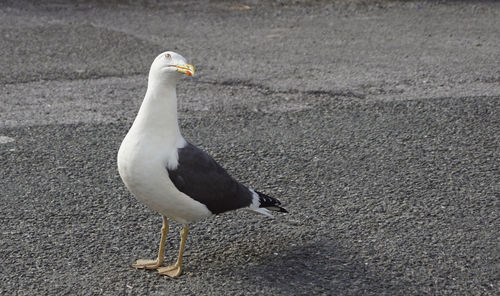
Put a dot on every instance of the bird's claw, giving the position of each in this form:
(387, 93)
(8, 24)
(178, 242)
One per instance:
(170, 271)
(147, 264)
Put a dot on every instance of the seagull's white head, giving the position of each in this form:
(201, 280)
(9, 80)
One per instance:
(170, 66)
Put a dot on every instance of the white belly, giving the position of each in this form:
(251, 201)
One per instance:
(143, 170)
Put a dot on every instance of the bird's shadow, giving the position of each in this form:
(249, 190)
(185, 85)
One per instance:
(315, 267)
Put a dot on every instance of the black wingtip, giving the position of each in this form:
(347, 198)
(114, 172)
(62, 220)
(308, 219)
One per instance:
(270, 203)
(276, 209)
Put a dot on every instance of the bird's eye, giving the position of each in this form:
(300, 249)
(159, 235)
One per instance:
(168, 56)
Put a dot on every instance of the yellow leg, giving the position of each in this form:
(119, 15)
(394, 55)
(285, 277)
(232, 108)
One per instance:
(176, 269)
(155, 264)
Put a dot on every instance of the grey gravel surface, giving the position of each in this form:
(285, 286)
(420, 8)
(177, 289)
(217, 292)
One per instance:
(377, 124)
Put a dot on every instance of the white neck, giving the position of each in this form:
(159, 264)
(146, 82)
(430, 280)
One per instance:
(157, 116)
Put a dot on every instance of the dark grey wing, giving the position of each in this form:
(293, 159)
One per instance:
(200, 177)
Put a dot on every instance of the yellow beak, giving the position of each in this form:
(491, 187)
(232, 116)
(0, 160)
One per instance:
(186, 69)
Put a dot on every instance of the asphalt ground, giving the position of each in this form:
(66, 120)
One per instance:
(375, 123)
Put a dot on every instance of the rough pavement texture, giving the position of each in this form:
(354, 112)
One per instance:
(376, 124)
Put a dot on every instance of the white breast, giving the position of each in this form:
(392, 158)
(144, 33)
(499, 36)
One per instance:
(142, 164)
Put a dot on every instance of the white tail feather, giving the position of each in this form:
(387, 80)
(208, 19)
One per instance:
(254, 207)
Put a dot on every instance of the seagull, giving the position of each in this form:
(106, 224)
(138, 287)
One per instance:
(170, 175)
